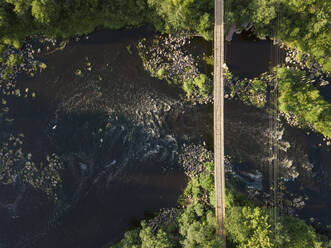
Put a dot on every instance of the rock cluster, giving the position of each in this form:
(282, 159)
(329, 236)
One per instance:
(167, 53)
(26, 53)
(19, 168)
(299, 60)
(165, 217)
(246, 89)
(167, 57)
(192, 158)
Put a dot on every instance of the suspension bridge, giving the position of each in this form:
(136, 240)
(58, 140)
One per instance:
(219, 116)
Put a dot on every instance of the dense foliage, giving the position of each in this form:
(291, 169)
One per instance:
(202, 82)
(247, 225)
(22, 18)
(184, 15)
(299, 97)
(301, 24)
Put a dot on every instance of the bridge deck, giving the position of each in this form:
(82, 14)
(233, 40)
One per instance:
(219, 115)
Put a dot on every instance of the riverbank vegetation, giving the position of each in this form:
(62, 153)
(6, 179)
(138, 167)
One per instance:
(20, 19)
(300, 98)
(301, 24)
(9, 64)
(248, 224)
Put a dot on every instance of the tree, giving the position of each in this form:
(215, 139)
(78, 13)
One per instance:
(300, 97)
(44, 11)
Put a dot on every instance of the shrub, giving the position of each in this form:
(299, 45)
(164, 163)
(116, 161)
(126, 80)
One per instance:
(14, 60)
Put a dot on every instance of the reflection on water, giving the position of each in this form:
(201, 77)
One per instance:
(246, 56)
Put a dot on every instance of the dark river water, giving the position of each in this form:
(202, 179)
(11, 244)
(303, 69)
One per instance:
(119, 131)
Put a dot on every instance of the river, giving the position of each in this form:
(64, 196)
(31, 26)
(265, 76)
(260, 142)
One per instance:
(119, 131)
